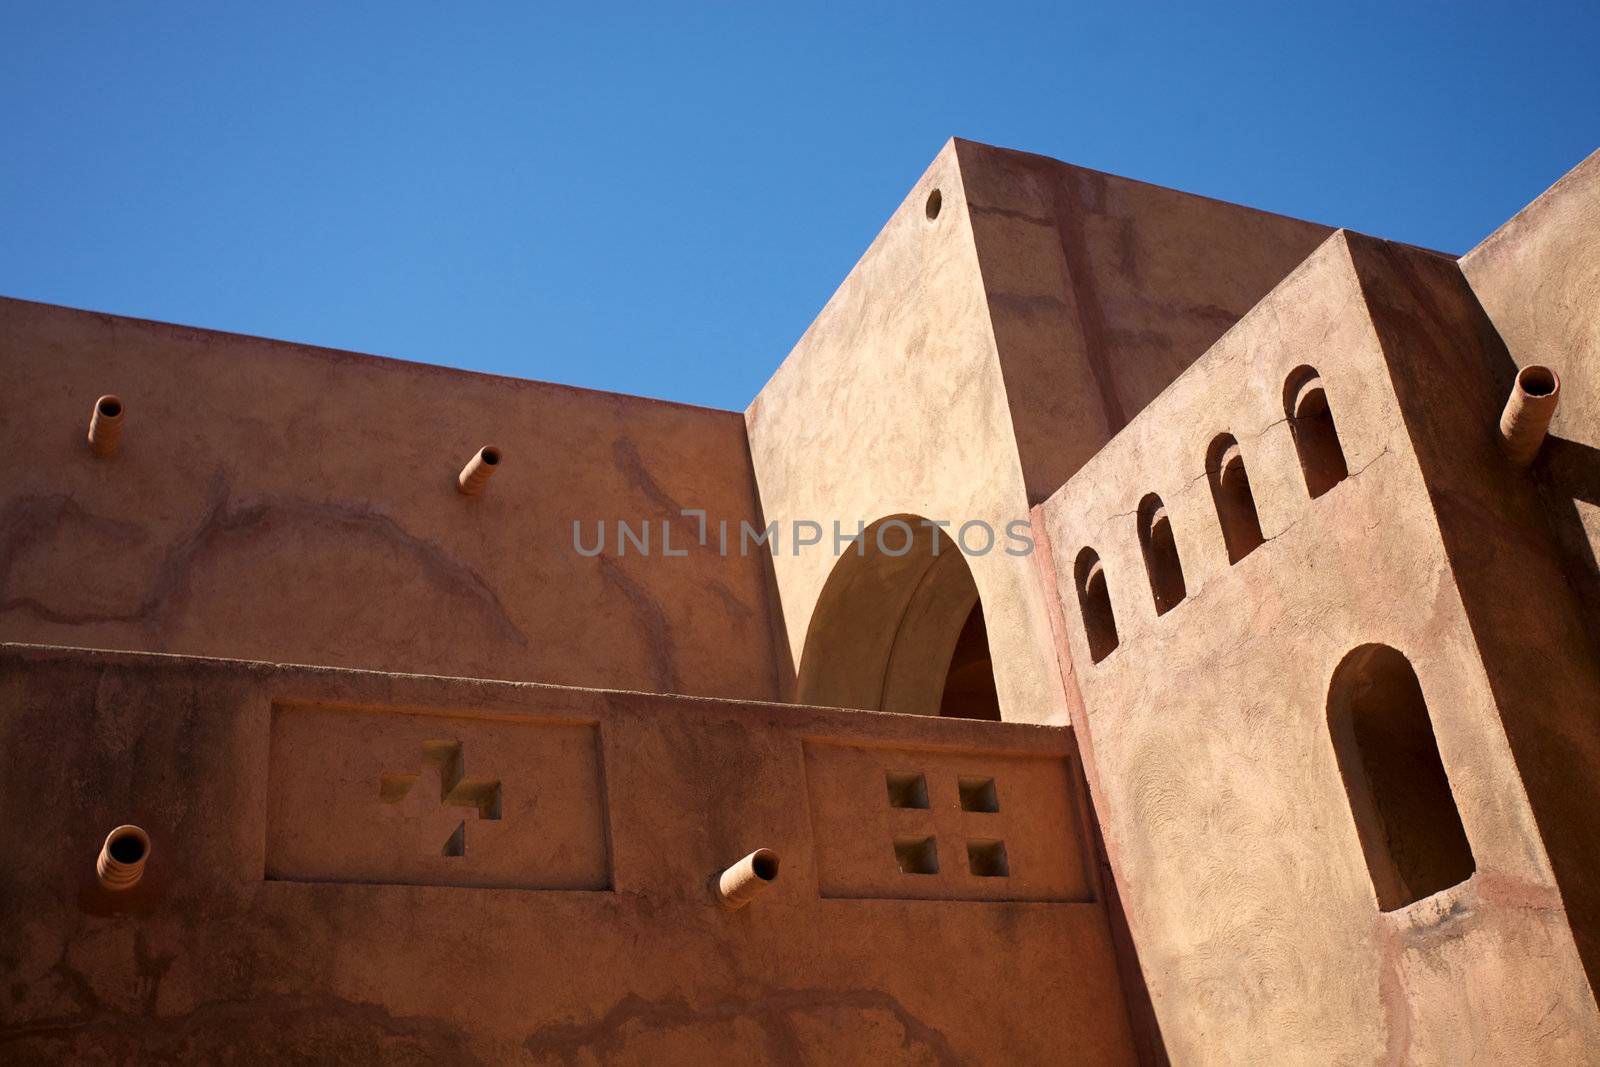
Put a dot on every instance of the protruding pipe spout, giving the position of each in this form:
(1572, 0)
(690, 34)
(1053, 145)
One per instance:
(121, 862)
(478, 469)
(740, 883)
(105, 426)
(1526, 418)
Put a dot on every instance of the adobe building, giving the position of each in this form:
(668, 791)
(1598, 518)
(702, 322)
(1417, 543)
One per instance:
(1127, 628)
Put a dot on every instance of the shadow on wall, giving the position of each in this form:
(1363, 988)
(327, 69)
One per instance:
(899, 627)
(1569, 473)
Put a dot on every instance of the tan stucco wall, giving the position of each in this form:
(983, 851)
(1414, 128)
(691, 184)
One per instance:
(280, 502)
(1504, 536)
(1538, 278)
(968, 365)
(274, 924)
(1101, 290)
(893, 403)
(1206, 740)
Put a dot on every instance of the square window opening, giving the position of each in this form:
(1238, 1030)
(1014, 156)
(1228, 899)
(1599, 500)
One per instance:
(987, 859)
(978, 794)
(916, 855)
(907, 789)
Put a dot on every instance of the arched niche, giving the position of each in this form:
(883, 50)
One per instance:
(1160, 550)
(1316, 438)
(1230, 493)
(1094, 602)
(1399, 793)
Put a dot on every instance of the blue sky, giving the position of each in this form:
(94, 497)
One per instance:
(659, 202)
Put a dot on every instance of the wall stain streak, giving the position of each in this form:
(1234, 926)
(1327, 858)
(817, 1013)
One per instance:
(607, 1035)
(1080, 272)
(224, 518)
(652, 619)
(632, 466)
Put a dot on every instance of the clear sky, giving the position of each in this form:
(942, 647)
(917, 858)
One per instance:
(660, 201)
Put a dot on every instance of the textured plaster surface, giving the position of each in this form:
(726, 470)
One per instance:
(893, 404)
(1452, 372)
(353, 866)
(1205, 731)
(970, 363)
(219, 958)
(280, 502)
(1538, 278)
(1101, 290)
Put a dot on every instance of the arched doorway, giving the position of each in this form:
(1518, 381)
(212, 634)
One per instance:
(899, 627)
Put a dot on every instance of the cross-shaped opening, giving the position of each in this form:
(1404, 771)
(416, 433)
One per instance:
(455, 789)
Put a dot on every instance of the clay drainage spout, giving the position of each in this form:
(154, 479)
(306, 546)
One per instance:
(121, 862)
(740, 883)
(105, 426)
(478, 469)
(1526, 418)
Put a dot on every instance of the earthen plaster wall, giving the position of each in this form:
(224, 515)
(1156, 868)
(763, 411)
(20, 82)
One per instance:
(893, 404)
(297, 905)
(1502, 531)
(281, 502)
(971, 362)
(1102, 289)
(1206, 740)
(1538, 278)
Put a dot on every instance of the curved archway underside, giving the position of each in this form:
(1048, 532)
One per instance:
(899, 627)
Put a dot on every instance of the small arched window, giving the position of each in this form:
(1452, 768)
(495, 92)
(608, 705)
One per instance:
(1405, 813)
(1160, 554)
(1315, 436)
(1094, 604)
(1230, 492)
